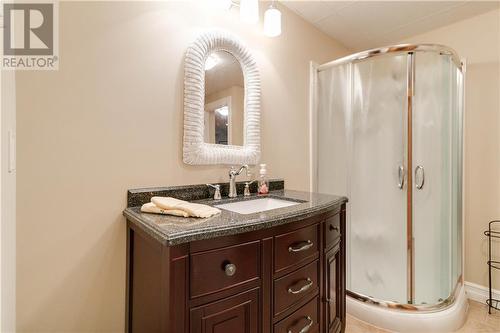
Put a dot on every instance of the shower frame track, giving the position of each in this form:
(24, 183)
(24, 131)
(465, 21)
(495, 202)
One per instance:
(395, 49)
(410, 307)
(410, 261)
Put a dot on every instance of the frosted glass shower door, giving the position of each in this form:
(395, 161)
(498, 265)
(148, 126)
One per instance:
(436, 177)
(332, 141)
(377, 194)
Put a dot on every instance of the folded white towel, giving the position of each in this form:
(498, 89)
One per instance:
(172, 206)
(152, 208)
(167, 202)
(193, 209)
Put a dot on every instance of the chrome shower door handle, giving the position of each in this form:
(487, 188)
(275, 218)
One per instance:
(401, 175)
(420, 184)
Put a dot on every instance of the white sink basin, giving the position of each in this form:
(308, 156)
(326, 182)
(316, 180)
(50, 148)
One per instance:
(256, 205)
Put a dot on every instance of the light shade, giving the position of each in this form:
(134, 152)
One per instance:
(272, 22)
(249, 11)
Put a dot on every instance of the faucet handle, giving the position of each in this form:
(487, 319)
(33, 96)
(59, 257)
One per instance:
(246, 192)
(217, 195)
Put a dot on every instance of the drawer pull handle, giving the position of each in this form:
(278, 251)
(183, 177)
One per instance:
(305, 328)
(334, 228)
(302, 289)
(230, 269)
(304, 247)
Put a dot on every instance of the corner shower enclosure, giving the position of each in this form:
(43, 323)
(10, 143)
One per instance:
(389, 137)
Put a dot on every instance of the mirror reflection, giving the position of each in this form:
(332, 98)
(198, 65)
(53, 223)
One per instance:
(224, 99)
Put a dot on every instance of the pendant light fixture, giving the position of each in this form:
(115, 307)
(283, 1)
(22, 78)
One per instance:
(249, 13)
(272, 21)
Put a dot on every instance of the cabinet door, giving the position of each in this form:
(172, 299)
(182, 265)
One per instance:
(333, 290)
(236, 314)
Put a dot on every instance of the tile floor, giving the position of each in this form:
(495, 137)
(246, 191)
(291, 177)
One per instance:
(478, 321)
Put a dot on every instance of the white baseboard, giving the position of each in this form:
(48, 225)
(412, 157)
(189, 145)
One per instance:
(479, 293)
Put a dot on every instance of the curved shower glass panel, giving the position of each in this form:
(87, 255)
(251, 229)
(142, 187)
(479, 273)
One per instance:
(433, 177)
(378, 252)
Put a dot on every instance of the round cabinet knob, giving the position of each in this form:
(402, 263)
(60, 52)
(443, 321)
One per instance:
(230, 269)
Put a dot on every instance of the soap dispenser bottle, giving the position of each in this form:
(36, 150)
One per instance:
(263, 185)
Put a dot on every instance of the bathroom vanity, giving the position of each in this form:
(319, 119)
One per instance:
(279, 270)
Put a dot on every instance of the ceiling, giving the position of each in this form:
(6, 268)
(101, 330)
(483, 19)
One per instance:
(361, 25)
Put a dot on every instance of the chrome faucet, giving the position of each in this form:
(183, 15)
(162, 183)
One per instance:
(232, 180)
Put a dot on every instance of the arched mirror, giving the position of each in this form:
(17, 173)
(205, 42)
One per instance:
(221, 102)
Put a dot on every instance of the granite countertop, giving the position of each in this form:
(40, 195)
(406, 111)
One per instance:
(172, 230)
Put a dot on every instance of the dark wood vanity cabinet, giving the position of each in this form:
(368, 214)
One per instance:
(284, 279)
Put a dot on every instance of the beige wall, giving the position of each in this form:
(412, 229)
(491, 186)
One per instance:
(111, 119)
(478, 40)
(7, 204)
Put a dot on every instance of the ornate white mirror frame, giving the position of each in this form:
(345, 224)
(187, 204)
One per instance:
(196, 151)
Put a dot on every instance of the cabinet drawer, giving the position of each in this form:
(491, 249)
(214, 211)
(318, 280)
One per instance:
(220, 269)
(332, 230)
(293, 287)
(304, 319)
(293, 247)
